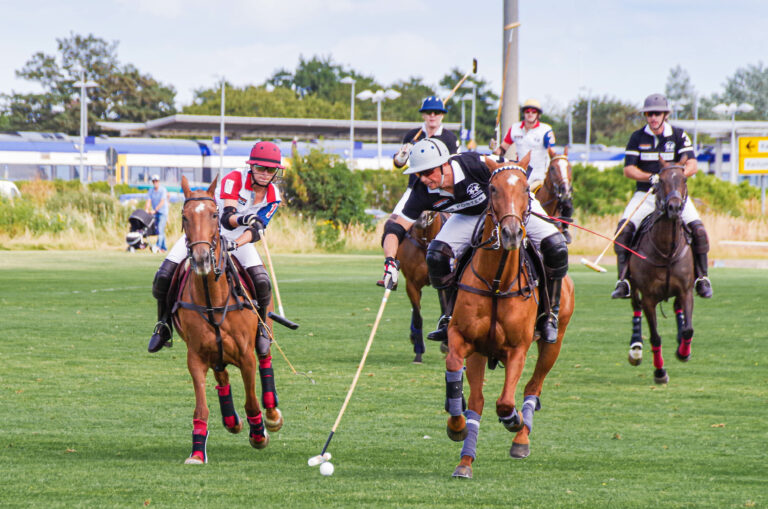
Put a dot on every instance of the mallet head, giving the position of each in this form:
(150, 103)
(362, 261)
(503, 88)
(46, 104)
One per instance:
(593, 266)
(320, 458)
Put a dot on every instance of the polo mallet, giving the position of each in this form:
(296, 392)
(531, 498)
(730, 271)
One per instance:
(596, 264)
(272, 271)
(325, 456)
(452, 92)
(504, 80)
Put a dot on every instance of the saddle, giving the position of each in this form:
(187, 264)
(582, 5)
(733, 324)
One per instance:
(645, 227)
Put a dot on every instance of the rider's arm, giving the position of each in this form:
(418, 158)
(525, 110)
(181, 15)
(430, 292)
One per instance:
(691, 167)
(635, 173)
(391, 242)
(502, 149)
(246, 237)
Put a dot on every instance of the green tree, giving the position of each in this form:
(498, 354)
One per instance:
(485, 117)
(680, 91)
(613, 121)
(748, 85)
(123, 92)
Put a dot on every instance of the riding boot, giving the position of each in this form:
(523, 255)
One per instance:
(261, 283)
(566, 209)
(700, 248)
(163, 329)
(447, 298)
(548, 323)
(441, 277)
(622, 290)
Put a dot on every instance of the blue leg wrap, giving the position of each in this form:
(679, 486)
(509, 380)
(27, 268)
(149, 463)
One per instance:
(418, 340)
(530, 404)
(454, 397)
(473, 428)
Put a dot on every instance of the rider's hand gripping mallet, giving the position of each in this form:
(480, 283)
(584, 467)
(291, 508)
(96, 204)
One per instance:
(452, 92)
(596, 264)
(272, 271)
(325, 456)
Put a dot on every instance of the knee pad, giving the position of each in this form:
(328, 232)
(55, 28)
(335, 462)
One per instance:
(262, 285)
(555, 253)
(163, 278)
(439, 256)
(700, 239)
(395, 228)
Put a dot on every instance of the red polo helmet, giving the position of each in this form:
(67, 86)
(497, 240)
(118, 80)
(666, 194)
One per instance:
(266, 153)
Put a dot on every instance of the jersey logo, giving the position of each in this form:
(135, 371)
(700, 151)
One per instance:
(669, 146)
(644, 146)
(473, 189)
(242, 201)
(441, 203)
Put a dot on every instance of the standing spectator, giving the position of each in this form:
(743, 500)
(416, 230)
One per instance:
(157, 204)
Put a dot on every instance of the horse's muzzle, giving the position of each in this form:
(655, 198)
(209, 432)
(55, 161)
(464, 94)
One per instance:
(202, 262)
(674, 205)
(511, 233)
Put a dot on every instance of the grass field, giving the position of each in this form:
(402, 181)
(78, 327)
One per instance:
(90, 419)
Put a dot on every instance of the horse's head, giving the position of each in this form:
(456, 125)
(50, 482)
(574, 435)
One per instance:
(560, 176)
(200, 222)
(425, 219)
(671, 190)
(509, 200)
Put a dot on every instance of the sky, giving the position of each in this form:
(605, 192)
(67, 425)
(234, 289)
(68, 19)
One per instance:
(567, 48)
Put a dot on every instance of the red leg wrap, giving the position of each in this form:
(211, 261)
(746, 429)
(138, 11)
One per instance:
(658, 360)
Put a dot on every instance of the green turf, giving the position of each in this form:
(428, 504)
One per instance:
(90, 419)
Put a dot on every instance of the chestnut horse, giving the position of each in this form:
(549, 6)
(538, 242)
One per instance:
(216, 318)
(556, 193)
(412, 256)
(497, 322)
(666, 272)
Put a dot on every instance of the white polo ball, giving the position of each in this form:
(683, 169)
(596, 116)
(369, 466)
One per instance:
(326, 468)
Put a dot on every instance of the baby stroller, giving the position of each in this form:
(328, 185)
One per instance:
(142, 226)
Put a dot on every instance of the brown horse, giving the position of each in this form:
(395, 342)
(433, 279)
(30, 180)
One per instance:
(556, 193)
(413, 264)
(216, 318)
(666, 272)
(496, 322)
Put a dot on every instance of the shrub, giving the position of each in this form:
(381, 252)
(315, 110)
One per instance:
(600, 192)
(383, 188)
(328, 236)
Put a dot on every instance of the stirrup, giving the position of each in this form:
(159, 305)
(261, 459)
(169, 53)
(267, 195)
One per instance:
(622, 290)
(703, 287)
(441, 333)
(162, 336)
(552, 320)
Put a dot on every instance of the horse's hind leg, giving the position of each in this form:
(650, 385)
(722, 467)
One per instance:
(258, 436)
(475, 373)
(417, 337)
(684, 316)
(659, 374)
(229, 416)
(198, 369)
(635, 356)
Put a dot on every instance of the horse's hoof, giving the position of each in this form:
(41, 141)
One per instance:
(274, 424)
(635, 356)
(417, 359)
(457, 436)
(519, 451)
(194, 460)
(462, 472)
(259, 444)
(660, 376)
(237, 428)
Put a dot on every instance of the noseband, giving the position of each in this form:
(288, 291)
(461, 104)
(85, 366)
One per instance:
(524, 217)
(211, 244)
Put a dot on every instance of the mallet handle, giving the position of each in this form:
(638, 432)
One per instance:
(597, 261)
(272, 271)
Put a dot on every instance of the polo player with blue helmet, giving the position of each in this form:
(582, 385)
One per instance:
(432, 111)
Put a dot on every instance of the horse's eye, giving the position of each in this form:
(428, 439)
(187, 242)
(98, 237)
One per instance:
(493, 190)
(215, 215)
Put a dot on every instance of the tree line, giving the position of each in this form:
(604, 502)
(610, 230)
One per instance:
(314, 90)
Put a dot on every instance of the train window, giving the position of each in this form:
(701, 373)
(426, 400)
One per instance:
(62, 172)
(98, 173)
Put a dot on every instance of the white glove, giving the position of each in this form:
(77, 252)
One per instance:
(229, 245)
(402, 157)
(391, 272)
(492, 144)
(654, 179)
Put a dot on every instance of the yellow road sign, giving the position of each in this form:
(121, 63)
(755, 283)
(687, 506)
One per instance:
(753, 155)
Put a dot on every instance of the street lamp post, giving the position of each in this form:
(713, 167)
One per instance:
(589, 124)
(221, 131)
(83, 114)
(351, 81)
(378, 97)
(732, 109)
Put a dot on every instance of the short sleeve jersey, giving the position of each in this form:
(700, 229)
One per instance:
(236, 185)
(156, 196)
(645, 148)
(470, 185)
(536, 141)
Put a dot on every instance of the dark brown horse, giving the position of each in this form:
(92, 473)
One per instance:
(219, 325)
(666, 272)
(413, 264)
(494, 322)
(556, 192)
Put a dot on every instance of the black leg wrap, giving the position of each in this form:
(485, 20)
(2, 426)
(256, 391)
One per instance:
(229, 415)
(268, 391)
(198, 444)
(455, 404)
(637, 330)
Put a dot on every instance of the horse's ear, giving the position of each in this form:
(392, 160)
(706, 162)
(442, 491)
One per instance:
(212, 187)
(185, 187)
(523, 163)
(551, 152)
(565, 151)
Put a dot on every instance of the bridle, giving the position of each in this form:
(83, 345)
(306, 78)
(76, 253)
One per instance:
(661, 203)
(217, 267)
(559, 191)
(513, 214)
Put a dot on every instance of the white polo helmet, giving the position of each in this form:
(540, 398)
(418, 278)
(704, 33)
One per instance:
(427, 154)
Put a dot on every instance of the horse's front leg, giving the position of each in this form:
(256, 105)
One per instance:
(458, 350)
(229, 416)
(635, 356)
(417, 337)
(475, 373)
(505, 405)
(659, 374)
(258, 436)
(198, 369)
(685, 327)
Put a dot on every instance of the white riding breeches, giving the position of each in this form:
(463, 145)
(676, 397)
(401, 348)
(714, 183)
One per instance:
(457, 231)
(246, 254)
(649, 205)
